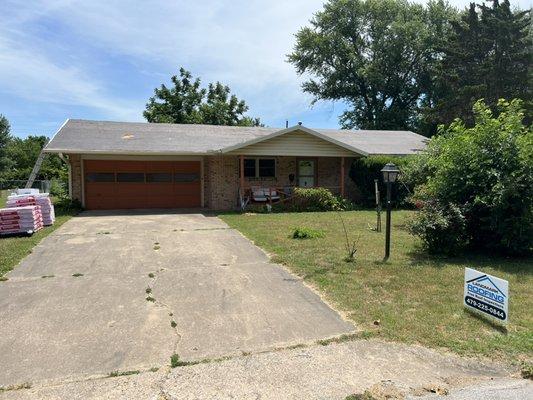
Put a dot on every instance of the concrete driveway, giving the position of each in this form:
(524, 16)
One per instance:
(77, 306)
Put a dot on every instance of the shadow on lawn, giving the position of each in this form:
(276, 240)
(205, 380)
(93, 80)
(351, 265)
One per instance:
(518, 264)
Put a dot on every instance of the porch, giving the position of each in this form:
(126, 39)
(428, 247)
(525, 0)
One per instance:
(272, 179)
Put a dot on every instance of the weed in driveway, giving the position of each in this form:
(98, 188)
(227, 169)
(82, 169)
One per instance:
(25, 385)
(148, 290)
(150, 298)
(47, 276)
(123, 373)
(173, 324)
(104, 233)
(77, 275)
(151, 275)
(157, 247)
(176, 362)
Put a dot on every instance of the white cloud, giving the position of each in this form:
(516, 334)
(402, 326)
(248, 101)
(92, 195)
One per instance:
(241, 43)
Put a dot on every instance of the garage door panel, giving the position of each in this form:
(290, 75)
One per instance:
(115, 184)
(159, 166)
(130, 166)
(99, 165)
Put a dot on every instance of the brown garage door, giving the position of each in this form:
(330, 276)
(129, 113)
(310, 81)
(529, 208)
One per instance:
(117, 184)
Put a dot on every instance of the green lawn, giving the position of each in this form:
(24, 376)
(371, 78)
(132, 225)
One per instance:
(14, 249)
(416, 298)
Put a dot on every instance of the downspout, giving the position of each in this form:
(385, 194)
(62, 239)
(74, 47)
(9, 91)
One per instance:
(62, 157)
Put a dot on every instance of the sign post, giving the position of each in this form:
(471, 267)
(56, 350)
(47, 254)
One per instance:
(486, 294)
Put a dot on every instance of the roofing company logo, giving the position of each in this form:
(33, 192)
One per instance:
(485, 287)
(486, 294)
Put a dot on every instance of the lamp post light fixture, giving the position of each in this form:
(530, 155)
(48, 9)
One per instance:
(390, 175)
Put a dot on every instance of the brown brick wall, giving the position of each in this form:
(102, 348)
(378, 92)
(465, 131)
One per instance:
(75, 170)
(221, 178)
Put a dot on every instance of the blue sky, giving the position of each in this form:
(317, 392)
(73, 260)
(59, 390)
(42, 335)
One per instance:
(97, 59)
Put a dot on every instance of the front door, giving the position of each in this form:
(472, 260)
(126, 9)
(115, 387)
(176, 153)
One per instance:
(306, 173)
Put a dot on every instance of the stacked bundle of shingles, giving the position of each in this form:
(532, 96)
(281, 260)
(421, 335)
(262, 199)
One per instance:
(39, 199)
(20, 219)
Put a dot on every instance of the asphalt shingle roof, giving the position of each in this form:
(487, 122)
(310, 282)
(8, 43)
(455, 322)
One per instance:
(84, 136)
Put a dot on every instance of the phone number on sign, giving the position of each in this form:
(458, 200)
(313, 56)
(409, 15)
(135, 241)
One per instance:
(487, 308)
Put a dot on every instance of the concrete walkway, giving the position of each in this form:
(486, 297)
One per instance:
(333, 372)
(77, 307)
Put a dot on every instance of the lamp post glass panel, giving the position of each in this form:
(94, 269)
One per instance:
(390, 175)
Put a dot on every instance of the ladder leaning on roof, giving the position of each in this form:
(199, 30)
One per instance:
(36, 167)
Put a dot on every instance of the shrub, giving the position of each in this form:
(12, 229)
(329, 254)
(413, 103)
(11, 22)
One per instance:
(316, 199)
(365, 170)
(476, 184)
(306, 233)
(441, 228)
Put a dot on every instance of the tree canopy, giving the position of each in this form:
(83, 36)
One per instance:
(401, 65)
(186, 102)
(376, 55)
(5, 137)
(486, 56)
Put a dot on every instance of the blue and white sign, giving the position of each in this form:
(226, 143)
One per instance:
(487, 294)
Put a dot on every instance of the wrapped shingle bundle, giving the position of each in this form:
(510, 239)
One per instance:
(21, 219)
(40, 199)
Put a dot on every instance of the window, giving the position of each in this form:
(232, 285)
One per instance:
(158, 177)
(100, 177)
(130, 177)
(249, 167)
(186, 177)
(267, 168)
(259, 167)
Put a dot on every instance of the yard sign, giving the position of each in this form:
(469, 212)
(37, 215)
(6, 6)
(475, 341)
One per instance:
(486, 294)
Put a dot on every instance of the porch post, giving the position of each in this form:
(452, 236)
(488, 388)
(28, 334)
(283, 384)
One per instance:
(342, 176)
(242, 174)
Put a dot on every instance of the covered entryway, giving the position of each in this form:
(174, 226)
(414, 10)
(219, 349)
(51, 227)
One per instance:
(119, 184)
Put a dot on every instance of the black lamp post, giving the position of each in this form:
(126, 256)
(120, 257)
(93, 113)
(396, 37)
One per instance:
(390, 174)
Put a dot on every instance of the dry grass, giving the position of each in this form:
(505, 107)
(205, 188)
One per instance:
(415, 297)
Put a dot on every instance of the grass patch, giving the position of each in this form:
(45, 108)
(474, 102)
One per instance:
(417, 298)
(114, 374)
(176, 362)
(307, 233)
(13, 249)
(25, 385)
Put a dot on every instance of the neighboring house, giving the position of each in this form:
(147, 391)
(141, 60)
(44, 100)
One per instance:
(116, 165)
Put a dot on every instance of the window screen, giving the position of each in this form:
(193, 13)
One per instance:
(130, 177)
(158, 177)
(186, 177)
(100, 177)
(267, 167)
(249, 167)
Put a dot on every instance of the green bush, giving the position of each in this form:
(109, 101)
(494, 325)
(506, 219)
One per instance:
(365, 170)
(475, 185)
(316, 199)
(306, 233)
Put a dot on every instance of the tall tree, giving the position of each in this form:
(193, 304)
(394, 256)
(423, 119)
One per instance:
(5, 137)
(487, 56)
(186, 102)
(375, 55)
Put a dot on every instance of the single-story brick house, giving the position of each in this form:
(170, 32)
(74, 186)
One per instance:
(115, 165)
